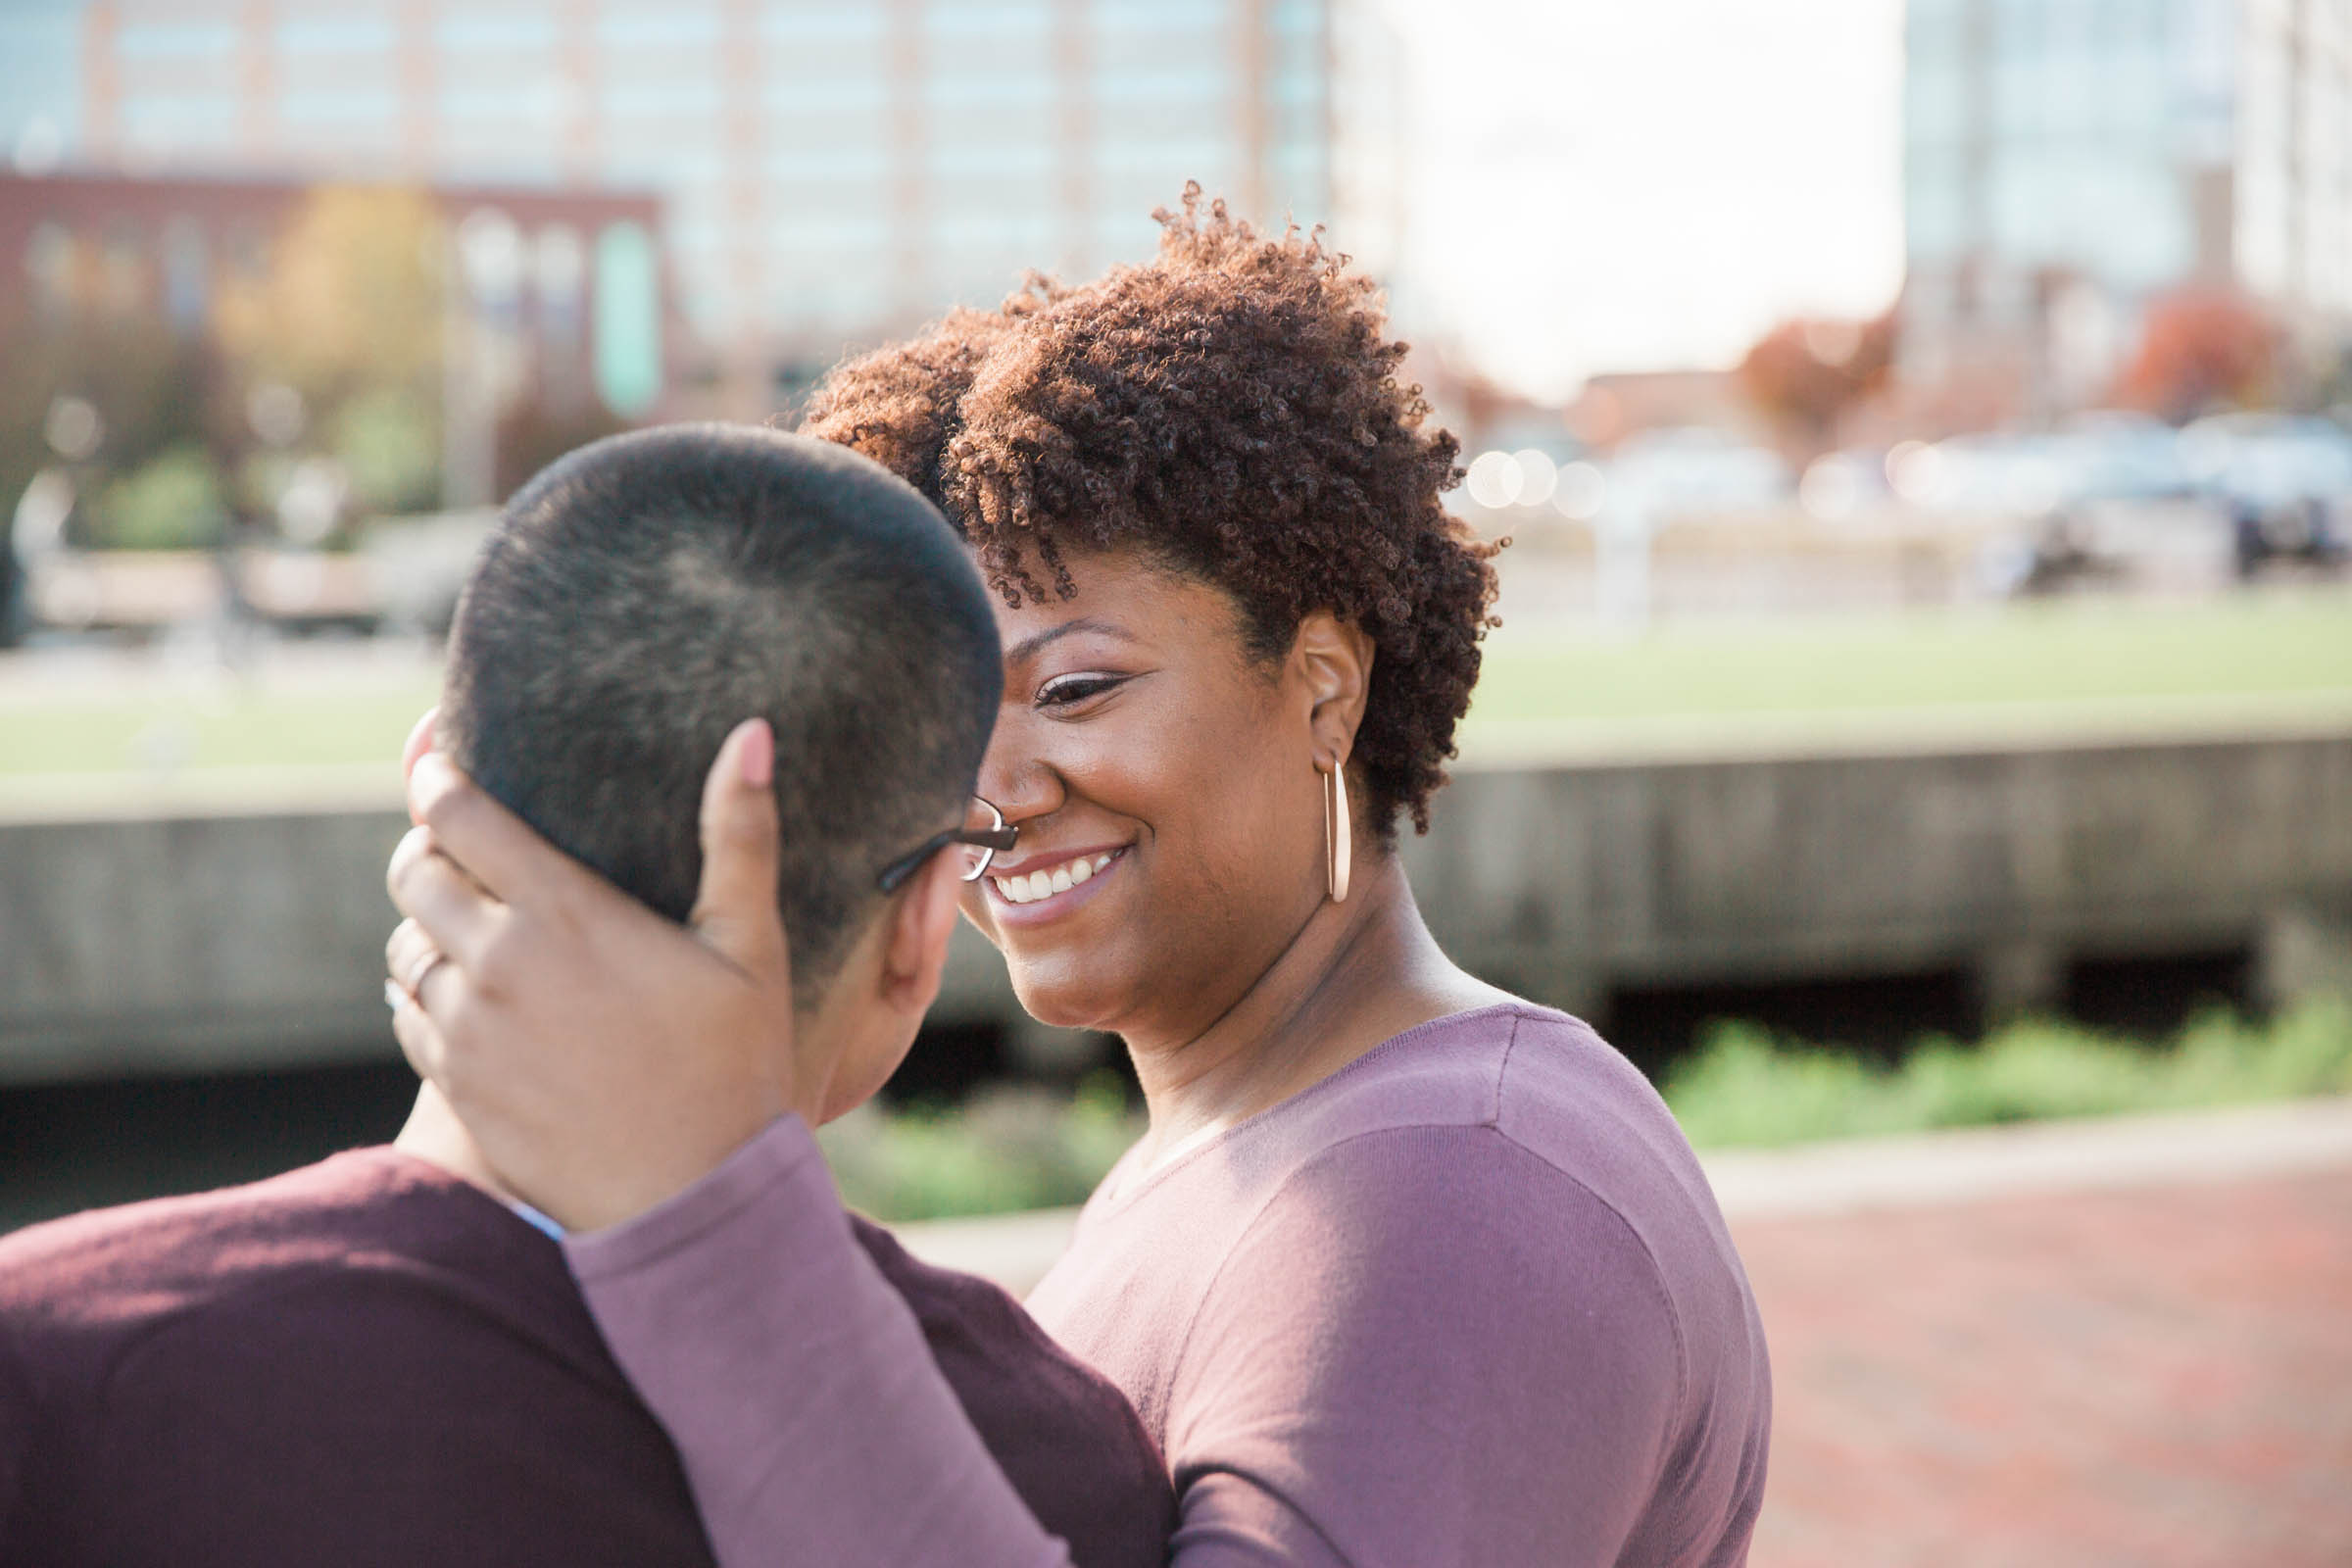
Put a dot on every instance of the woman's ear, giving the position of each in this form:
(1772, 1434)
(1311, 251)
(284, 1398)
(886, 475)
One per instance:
(1333, 660)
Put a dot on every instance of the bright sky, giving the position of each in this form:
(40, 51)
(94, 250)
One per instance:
(1648, 184)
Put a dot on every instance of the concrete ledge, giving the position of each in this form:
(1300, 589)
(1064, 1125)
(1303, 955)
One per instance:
(1561, 883)
(1968, 1164)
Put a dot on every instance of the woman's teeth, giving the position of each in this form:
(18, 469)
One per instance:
(1045, 884)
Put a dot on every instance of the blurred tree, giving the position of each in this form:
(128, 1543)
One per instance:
(332, 347)
(149, 391)
(2203, 349)
(337, 341)
(351, 298)
(1804, 373)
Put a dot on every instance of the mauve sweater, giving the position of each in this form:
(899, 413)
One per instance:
(1469, 1300)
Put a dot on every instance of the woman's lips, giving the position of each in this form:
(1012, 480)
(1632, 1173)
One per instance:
(1050, 890)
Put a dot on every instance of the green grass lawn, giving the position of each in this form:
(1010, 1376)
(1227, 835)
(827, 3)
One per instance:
(2051, 666)
(358, 719)
(2054, 661)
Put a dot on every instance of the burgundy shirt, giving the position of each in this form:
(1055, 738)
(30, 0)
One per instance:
(369, 1360)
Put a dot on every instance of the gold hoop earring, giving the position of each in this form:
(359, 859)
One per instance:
(1339, 841)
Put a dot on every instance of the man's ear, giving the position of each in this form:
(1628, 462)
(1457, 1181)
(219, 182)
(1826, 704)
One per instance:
(1333, 658)
(915, 947)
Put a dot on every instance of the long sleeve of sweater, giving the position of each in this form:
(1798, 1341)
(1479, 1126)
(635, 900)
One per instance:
(1427, 1347)
(814, 1425)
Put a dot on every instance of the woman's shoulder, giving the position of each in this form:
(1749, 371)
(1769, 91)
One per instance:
(1539, 1076)
(1513, 1108)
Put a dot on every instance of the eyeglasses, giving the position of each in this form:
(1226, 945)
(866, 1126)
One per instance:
(979, 841)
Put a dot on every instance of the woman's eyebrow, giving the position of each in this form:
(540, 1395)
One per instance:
(1029, 646)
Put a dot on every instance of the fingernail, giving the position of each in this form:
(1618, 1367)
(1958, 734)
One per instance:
(759, 755)
(394, 996)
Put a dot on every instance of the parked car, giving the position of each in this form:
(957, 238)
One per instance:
(2283, 481)
(1693, 468)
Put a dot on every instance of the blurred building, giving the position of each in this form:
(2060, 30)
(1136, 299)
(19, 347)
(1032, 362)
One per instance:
(559, 298)
(2068, 160)
(831, 172)
(571, 275)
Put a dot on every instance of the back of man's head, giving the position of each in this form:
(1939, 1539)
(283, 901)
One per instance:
(642, 596)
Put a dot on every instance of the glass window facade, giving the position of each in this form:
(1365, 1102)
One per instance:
(830, 172)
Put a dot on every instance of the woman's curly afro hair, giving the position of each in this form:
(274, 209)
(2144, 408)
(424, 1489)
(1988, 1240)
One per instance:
(1231, 406)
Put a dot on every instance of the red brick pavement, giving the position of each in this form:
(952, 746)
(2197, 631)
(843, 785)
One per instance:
(2156, 1377)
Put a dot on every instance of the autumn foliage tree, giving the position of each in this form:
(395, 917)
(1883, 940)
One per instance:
(349, 315)
(1804, 373)
(351, 297)
(2202, 349)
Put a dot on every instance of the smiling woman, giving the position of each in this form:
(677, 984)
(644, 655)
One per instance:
(1404, 1269)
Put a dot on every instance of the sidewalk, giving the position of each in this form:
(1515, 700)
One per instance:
(2121, 1342)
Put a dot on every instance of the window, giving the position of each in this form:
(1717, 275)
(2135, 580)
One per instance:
(374, 107)
(172, 122)
(653, 98)
(820, 23)
(1934, 209)
(1019, 164)
(534, 102)
(122, 268)
(344, 34)
(809, 161)
(674, 26)
(629, 318)
(476, 33)
(967, 20)
(49, 265)
(1122, 16)
(187, 275)
(176, 41)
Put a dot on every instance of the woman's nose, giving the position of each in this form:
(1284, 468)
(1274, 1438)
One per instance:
(1023, 785)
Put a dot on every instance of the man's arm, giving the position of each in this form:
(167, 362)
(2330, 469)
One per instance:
(18, 1414)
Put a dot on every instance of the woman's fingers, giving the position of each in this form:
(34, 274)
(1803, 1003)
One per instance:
(411, 959)
(420, 1041)
(735, 907)
(458, 915)
(419, 742)
(494, 846)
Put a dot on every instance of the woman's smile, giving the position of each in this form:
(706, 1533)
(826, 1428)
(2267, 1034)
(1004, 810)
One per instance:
(1045, 887)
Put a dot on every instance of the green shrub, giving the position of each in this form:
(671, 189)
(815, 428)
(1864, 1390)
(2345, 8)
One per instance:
(1011, 1147)
(173, 502)
(1016, 1147)
(1744, 1087)
(389, 442)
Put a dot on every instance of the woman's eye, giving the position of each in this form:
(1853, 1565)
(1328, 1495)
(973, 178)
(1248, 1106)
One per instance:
(1068, 691)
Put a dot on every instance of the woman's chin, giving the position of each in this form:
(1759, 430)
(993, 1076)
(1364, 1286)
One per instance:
(1053, 994)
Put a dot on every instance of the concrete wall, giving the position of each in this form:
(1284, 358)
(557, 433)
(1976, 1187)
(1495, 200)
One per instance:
(1560, 882)
(200, 940)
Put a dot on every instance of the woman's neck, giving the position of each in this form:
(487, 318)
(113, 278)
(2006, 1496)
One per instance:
(1356, 974)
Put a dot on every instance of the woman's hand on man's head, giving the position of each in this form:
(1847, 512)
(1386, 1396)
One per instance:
(603, 1058)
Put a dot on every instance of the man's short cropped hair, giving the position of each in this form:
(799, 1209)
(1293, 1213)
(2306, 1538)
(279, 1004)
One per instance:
(642, 596)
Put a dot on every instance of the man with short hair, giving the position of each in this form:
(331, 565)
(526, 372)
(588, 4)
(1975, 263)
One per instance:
(382, 1358)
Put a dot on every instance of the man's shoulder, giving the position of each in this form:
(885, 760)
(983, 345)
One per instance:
(1002, 1362)
(1062, 1432)
(100, 1246)
(106, 1272)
